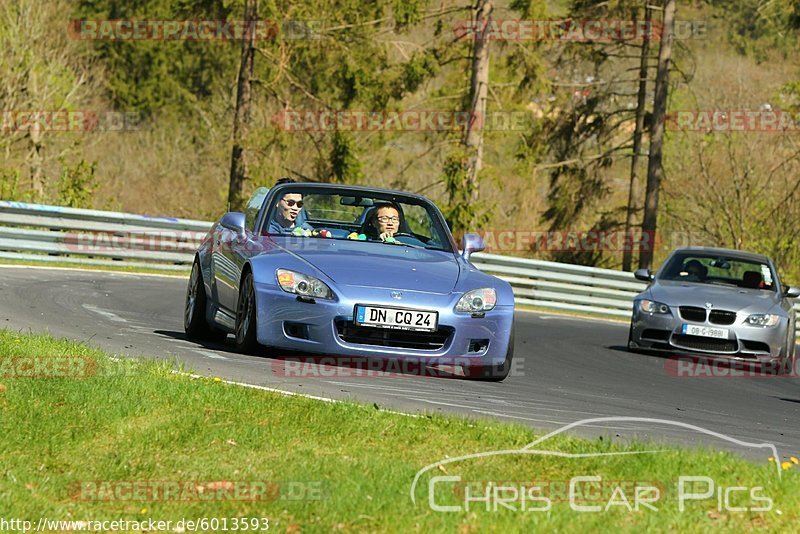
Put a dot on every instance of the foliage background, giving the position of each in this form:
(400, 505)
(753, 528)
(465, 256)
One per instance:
(738, 190)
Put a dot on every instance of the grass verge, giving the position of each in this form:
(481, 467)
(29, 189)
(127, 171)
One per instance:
(88, 438)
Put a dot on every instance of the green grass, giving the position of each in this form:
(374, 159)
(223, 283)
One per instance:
(139, 421)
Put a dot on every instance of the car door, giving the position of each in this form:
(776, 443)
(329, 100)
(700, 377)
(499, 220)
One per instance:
(231, 251)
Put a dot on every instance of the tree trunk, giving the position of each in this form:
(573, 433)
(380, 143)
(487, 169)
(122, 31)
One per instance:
(479, 86)
(633, 191)
(37, 164)
(241, 121)
(650, 219)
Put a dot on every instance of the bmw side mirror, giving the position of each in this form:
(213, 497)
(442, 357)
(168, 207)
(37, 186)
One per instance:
(644, 275)
(234, 221)
(471, 243)
(792, 292)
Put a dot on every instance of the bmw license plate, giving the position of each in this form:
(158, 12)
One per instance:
(396, 318)
(705, 331)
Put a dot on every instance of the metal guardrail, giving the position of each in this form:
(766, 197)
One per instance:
(93, 237)
(35, 232)
(562, 286)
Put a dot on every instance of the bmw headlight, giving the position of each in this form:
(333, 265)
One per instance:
(763, 319)
(477, 300)
(303, 285)
(651, 306)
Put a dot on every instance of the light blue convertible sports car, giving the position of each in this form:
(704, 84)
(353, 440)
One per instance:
(350, 271)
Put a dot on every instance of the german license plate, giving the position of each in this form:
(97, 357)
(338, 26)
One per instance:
(705, 331)
(396, 318)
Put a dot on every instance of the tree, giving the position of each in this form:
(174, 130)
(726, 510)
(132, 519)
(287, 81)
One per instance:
(654, 169)
(241, 121)
(479, 86)
(43, 71)
(633, 189)
(589, 126)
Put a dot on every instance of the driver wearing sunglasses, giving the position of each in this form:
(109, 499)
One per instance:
(287, 213)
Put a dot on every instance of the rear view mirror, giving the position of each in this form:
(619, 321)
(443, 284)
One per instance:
(644, 275)
(721, 263)
(792, 292)
(356, 201)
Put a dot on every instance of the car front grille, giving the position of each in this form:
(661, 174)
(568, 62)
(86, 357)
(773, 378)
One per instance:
(704, 343)
(349, 332)
(722, 317)
(692, 313)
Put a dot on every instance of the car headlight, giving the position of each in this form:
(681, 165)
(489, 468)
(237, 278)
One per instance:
(477, 300)
(763, 319)
(303, 285)
(650, 306)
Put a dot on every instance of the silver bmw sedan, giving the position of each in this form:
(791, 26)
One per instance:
(717, 302)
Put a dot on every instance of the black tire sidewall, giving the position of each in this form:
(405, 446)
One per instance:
(249, 343)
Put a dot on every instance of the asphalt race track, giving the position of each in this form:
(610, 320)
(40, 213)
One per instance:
(566, 370)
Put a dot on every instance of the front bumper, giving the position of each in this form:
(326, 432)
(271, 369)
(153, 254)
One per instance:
(326, 327)
(664, 332)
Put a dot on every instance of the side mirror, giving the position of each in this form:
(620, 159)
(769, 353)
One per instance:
(234, 221)
(792, 292)
(471, 243)
(644, 275)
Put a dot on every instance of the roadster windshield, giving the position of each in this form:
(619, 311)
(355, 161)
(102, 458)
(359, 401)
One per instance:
(702, 268)
(391, 219)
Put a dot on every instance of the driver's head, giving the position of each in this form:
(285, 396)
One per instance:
(386, 218)
(289, 208)
(695, 268)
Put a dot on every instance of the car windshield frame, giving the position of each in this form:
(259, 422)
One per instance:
(681, 258)
(439, 225)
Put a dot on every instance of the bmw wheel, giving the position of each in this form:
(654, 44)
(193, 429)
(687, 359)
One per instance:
(790, 360)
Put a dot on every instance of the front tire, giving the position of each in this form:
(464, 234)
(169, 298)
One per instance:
(493, 373)
(630, 346)
(246, 316)
(790, 360)
(194, 311)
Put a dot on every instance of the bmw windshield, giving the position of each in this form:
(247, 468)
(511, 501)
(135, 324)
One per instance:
(704, 268)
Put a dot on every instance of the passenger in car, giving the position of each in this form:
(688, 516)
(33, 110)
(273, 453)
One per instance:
(753, 280)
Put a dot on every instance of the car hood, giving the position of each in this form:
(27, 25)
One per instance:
(378, 265)
(721, 297)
